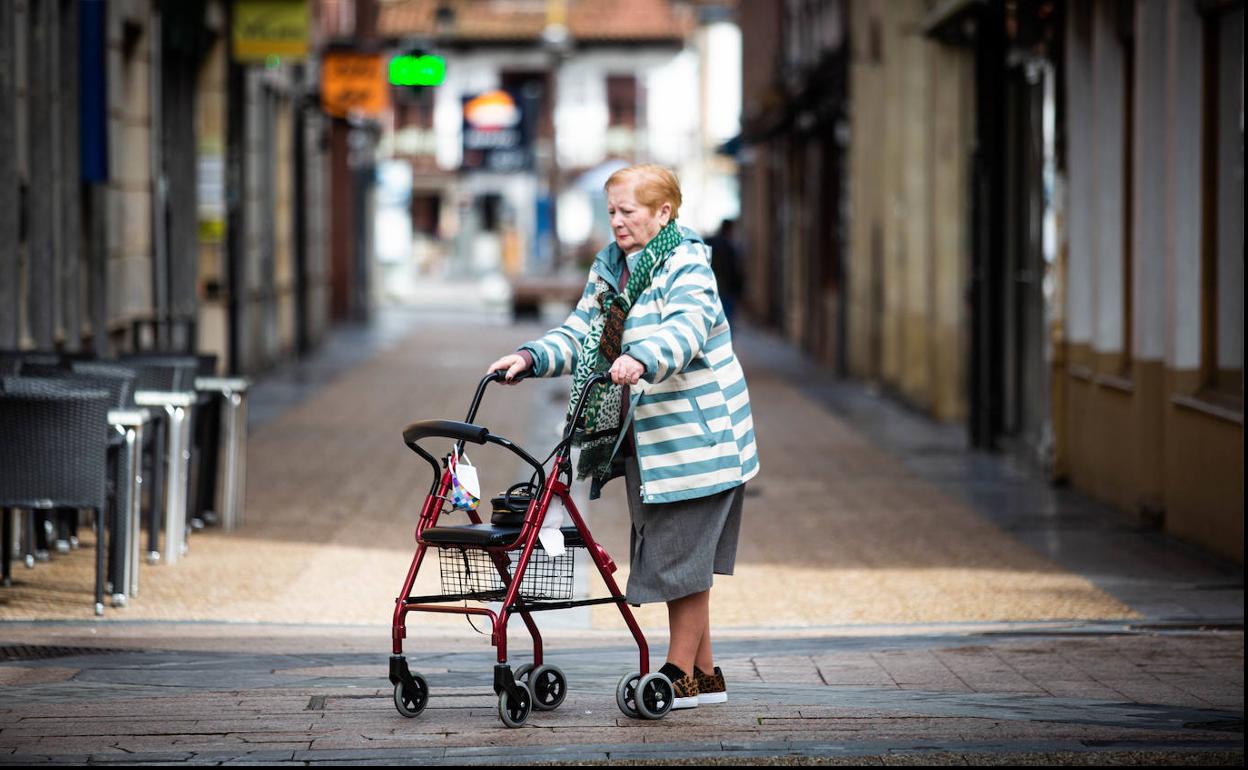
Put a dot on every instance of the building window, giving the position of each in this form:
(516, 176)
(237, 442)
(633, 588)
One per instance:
(426, 210)
(1222, 247)
(416, 110)
(623, 96)
(622, 101)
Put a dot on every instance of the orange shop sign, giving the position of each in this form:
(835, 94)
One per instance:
(354, 83)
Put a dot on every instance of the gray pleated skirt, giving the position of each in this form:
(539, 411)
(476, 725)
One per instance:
(677, 547)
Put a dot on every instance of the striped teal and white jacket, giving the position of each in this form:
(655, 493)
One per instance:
(691, 412)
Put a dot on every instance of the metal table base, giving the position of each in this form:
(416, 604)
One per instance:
(130, 424)
(233, 487)
(177, 406)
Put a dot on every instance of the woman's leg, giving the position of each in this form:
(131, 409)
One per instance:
(689, 622)
(704, 659)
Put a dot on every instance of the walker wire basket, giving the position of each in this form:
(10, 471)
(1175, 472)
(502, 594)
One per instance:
(472, 571)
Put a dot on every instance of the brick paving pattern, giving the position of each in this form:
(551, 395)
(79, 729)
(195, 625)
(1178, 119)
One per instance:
(789, 695)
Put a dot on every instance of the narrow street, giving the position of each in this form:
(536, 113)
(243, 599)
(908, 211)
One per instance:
(980, 261)
(892, 602)
(333, 496)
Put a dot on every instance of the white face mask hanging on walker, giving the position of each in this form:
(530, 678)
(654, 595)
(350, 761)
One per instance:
(466, 495)
(465, 486)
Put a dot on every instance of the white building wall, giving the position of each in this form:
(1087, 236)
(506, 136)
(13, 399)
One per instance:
(581, 116)
(1082, 215)
(1167, 193)
(1148, 235)
(1108, 196)
(672, 110)
(722, 100)
(1230, 240)
(1184, 55)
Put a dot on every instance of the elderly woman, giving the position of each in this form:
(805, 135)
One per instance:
(678, 413)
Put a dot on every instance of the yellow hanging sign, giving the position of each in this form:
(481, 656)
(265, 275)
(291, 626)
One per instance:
(267, 28)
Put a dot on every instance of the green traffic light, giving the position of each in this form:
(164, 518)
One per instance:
(427, 70)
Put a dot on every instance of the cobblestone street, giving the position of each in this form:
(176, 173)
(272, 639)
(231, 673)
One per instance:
(894, 594)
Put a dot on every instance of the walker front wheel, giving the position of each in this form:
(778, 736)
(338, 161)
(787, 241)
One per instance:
(626, 694)
(515, 711)
(411, 701)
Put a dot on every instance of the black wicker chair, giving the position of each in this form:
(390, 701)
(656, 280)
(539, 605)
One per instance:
(164, 333)
(167, 374)
(12, 364)
(13, 361)
(54, 454)
(119, 382)
(152, 446)
(35, 544)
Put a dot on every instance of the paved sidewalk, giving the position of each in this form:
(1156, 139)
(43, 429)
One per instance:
(897, 600)
(1094, 694)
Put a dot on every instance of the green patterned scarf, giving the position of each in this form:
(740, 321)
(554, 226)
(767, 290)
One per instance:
(600, 426)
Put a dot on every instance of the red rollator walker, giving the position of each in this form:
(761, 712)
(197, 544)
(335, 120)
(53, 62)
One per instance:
(503, 561)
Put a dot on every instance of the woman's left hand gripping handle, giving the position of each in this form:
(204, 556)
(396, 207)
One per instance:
(513, 364)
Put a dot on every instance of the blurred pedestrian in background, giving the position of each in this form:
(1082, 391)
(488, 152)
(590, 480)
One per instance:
(676, 422)
(726, 264)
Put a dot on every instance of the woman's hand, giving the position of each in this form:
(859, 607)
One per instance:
(514, 363)
(626, 370)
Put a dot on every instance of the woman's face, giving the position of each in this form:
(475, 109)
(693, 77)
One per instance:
(632, 222)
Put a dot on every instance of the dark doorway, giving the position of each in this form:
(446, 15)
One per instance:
(1026, 425)
(1018, 55)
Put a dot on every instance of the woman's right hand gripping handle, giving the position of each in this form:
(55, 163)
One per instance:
(512, 364)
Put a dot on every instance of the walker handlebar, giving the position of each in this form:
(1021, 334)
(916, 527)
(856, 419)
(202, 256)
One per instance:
(467, 431)
(462, 431)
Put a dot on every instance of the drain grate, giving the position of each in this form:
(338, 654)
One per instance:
(43, 652)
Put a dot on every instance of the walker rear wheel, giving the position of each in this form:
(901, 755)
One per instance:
(549, 687)
(654, 696)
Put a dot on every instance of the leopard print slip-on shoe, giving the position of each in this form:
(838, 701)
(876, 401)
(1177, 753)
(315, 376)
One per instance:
(711, 687)
(684, 687)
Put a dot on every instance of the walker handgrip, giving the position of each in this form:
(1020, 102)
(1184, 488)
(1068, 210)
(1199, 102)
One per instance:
(460, 431)
(498, 375)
